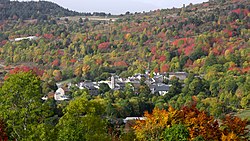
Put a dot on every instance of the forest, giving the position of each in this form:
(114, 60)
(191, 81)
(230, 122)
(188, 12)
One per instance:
(209, 41)
(40, 10)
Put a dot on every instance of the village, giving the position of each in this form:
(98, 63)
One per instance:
(156, 84)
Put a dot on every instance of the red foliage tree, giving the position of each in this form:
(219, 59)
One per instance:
(188, 50)
(165, 68)
(246, 70)
(216, 51)
(120, 64)
(60, 52)
(189, 63)
(34, 70)
(153, 50)
(103, 46)
(3, 42)
(162, 58)
(55, 62)
(72, 61)
(48, 36)
(228, 32)
(238, 11)
(99, 61)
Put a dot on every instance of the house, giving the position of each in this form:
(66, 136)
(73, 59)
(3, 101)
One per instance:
(92, 87)
(160, 88)
(158, 78)
(60, 95)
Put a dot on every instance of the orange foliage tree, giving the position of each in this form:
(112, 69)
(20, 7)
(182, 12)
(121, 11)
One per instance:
(234, 129)
(198, 123)
(153, 126)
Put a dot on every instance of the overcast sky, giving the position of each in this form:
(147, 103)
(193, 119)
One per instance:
(120, 6)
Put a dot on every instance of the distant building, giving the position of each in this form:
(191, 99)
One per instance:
(133, 118)
(180, 75)
(92, 87)
(60, 95)
(160, 88)
(25, 38)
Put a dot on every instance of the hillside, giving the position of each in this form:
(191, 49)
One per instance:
(162, 40)
(209, 42)
(32, 9)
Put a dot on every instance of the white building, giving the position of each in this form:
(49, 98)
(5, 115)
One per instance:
(133, 118)
(26, 38)
(60, 95)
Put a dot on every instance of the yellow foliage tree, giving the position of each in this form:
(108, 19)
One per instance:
(153, 126)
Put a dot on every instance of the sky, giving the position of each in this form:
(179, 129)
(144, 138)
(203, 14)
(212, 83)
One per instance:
(120, 6)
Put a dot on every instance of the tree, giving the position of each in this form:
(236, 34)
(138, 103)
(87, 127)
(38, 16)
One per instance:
(80, 20)
(211, 60)
(234, 128)
(188, 123)
(82, 121)
(103, 88)
(177, 132)
(175, 89)
(57, 74)
(21, 105)
(153, 126)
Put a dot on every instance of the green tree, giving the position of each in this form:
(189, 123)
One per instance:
(103, 88)
(21, 105)
(177, 132)
(175, 89)
(82, 121)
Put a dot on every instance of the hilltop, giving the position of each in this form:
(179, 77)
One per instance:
(32, 9)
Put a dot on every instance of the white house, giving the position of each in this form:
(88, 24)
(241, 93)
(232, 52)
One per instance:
(60, 95)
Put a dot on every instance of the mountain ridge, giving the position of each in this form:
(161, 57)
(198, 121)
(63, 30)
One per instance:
(32, 9)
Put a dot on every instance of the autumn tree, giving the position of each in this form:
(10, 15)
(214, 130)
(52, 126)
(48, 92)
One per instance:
(153, 126)
(188, 123)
